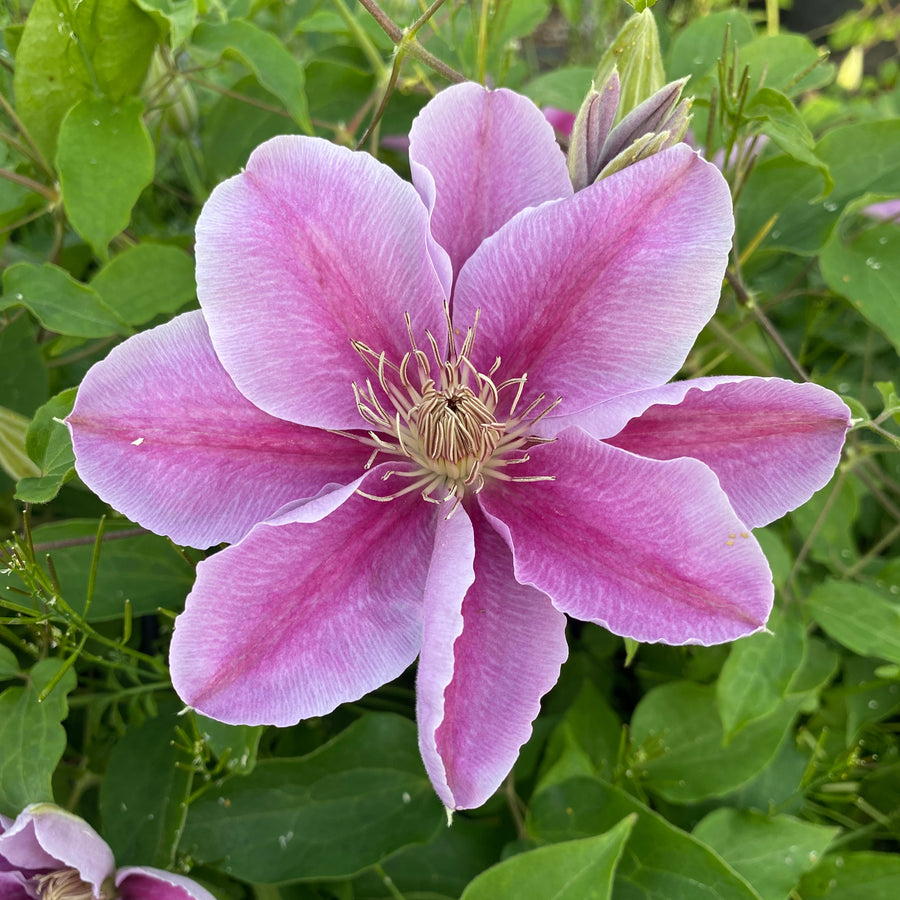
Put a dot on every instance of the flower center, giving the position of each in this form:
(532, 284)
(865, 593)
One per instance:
(64, 884)
(454, 425)
(457, 428)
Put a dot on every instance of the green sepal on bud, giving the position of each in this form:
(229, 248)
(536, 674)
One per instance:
(596, 149)
(636, 56)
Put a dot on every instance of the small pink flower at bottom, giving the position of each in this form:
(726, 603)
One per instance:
(47, 853)
(433, 419)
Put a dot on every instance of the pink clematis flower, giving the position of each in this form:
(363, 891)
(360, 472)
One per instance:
(47, 853)
(395, 489)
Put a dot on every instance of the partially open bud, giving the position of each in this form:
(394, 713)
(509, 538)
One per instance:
(661, 114)
(590, 131)
(658, 123)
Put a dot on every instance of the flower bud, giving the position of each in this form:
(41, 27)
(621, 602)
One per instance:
(590, 131)
(660, 113)
(636, 55)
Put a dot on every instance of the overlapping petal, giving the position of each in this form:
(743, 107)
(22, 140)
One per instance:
(44, 836)
(649, 549)
(772, 443)
(312, 247)
(485, 664)
(450, 575)
(161, 433)
(605, 293)
(478, 157)
(315, 609)
(147, 883)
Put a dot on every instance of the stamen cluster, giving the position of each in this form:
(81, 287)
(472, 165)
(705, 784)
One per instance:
(63, 884)
(458, 429)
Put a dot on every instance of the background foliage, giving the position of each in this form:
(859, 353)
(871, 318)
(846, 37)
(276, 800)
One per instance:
(767, 769)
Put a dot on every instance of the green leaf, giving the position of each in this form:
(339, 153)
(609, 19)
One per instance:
(175, 17)
(9, 665)
(346, 806)
(235, 744)
(679, 746)
(50, 446)
(586, 741)
(23, 373)
(888, 396)
(850, 876)
(143, 790)
(60, 302)
(830, 515)
(146, 281)
(696, 48)
(446, 864)
(234, 128)
(861, 158)
(756, 675)
(32, 740)
(859, 618)
(868, 698)
(662, 862)
(772, 853)
(70, 51)
(820, 664)
(865, 268)
(777, 61)
(572, 870)
(783, 123)
(274, 67)
(144, 569)
(105, 159)
(13, 458)
(564, 88)
(777, 555)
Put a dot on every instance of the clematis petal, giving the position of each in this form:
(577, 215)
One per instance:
(477, 158)
(147, 883)
(771, 443)
(45, 836)
(313, 609)
(163, 435)
(449, 577)
(14, 885)
(312, 247)
(603, 294)
(485, 664)
(649, 549)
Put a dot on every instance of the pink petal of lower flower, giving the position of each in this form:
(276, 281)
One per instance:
(485, 664)
(147, 883)
(604, 293)
(312, 247)
(490, 154)
(45, 836)
(307, 614)
(771, 443)
(163, 435)
(649, 549)
(14, 885)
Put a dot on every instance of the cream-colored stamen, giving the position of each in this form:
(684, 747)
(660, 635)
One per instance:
(456, 430)
(64, 884)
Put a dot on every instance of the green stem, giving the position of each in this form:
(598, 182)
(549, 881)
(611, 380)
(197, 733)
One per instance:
(362, 39)
(771, 16)
(35, 154)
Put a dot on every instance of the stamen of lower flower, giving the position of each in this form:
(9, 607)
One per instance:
(63, 884)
